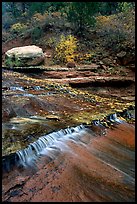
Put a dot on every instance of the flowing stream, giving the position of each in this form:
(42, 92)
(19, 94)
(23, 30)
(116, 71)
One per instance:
(42, 146)
(87, 136)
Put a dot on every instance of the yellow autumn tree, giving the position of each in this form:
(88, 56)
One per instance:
(65, 49)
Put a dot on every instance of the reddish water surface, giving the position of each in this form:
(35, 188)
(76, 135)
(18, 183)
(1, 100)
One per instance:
(94, 168)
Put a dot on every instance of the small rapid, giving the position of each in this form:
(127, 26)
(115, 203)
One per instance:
(38, 148)
(58, 140)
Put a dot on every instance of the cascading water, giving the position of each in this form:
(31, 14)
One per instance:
(13, 88)
(55, 140)
(35, 149)
(113, 118)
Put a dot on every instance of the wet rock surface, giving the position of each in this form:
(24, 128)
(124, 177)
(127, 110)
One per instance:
(101, 170)
(36, 104)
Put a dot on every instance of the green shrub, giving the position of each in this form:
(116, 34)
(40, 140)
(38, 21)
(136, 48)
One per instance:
(5, 36)
(117, 31)
(12, 62)
(51, 42)
(125, 6)
(36, 33)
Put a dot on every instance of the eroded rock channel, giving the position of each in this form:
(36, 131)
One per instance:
(71, 137)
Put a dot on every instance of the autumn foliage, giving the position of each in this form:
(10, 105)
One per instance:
(65, 49)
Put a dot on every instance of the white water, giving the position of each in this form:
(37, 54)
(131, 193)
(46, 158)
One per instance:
(113, 118)
(44, 143)
(54, 140)
(13, 88)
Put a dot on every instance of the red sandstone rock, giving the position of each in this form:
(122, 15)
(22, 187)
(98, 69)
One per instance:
(95, 171)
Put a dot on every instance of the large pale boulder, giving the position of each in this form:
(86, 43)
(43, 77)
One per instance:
(24, 56)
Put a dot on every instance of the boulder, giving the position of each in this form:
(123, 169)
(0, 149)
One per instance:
(108, 61)
(71, 65)
(121, 54)
(24, 56)
(125, 58)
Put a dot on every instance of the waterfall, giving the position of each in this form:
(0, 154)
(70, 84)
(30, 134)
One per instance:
(35, 149)
(55, 141)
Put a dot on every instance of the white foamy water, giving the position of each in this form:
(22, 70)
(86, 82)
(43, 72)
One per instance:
(45, 143)
(14, 88)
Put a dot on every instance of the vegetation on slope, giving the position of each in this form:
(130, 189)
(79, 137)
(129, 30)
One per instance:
(97, 27)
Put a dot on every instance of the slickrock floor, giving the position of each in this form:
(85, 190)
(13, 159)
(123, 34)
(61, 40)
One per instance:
(95, 168)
